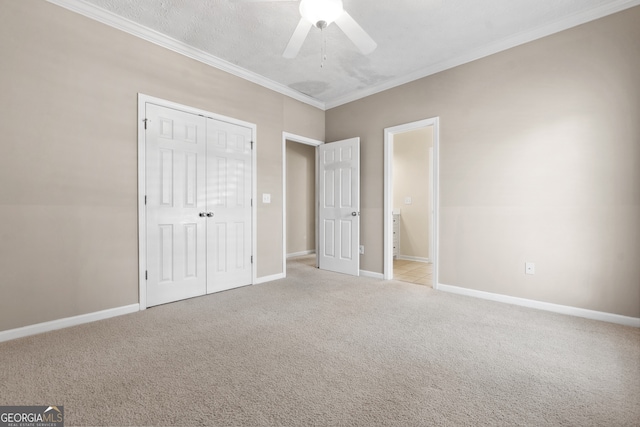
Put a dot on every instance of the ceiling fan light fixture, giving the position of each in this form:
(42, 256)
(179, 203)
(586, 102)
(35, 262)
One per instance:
(321, 13)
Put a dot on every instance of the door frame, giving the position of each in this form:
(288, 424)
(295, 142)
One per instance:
(142, 170)
(286, 136)
(389, 134)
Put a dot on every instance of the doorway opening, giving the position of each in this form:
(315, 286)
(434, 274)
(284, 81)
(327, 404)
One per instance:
(299, 200)
(337, 203)
(411, 202)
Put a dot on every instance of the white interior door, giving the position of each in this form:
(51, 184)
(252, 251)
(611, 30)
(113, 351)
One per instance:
(199, 177)
(339, 212)
(175, 193)
(229, 180)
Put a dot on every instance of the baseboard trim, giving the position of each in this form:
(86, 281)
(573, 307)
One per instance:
(546, 306)
(295, 254)
(413, 258)
(66, 322)
(265, 279)
(365, 273)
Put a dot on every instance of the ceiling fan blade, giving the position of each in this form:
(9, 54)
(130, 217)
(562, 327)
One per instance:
(298, 37)
(356, 34)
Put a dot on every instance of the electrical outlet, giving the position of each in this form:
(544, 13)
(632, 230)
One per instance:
(266, 198)
(529, 268)
(407, 200)
(361, 249)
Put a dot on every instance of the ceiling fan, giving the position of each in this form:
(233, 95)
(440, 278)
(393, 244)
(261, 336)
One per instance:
(320, 14)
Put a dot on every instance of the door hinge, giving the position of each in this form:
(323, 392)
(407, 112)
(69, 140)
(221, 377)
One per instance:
(145, 122)
(251, 259)
(252, 145)
(146, 275)
(145, 200)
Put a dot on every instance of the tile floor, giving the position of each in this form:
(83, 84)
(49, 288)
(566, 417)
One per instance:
(413, 272)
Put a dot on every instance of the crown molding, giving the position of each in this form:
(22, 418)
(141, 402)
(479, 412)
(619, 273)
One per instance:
(490, 49)
(123, 24)
(98, 14)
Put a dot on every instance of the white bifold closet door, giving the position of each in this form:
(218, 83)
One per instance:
(229, 199)
(198, 205)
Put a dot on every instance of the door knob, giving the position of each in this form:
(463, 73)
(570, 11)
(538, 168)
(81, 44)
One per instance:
(209, 214)
(202, 214)
(354, 213)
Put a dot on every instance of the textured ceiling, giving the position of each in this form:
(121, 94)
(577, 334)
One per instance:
(415, 37)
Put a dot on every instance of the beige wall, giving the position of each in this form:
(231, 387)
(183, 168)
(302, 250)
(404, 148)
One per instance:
(539, 161)
(301, 197)
(411, 178)
(68, 169)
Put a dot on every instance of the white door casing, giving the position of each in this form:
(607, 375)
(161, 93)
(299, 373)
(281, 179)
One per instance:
(197, 220)
(388, 194)
(175, 196)
(339, 206)
(286, 136)
(229, 200)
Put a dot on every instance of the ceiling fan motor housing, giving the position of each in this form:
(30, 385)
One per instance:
(321, 13)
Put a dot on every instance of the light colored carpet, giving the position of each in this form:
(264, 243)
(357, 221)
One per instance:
(325, 349)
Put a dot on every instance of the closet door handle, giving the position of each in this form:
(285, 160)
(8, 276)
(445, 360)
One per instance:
(202, 214)
(209, 214)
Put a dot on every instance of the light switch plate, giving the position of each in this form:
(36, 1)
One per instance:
(407, 200)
